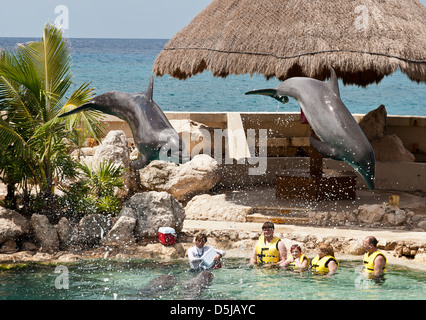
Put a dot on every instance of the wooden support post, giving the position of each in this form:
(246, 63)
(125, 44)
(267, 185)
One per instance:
(316, 184)
(315, 159)
(315, 162)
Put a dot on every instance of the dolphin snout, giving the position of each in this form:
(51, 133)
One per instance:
(369, 179)
(367, 171)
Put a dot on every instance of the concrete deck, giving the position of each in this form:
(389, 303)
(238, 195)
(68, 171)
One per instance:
(264, 196)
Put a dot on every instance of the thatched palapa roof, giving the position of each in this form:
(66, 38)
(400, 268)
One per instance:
(362, 40)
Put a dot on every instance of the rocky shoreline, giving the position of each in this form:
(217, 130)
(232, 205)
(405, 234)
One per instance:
(238, 239)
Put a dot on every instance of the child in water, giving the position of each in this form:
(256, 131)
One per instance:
(297, 260)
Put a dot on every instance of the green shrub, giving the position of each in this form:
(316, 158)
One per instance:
(95, 190)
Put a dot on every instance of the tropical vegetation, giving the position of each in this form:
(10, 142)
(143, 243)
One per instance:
(94, 191)
(35, 79)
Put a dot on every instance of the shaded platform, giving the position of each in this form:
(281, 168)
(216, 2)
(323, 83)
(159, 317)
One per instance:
(330, 185)
(316, 183)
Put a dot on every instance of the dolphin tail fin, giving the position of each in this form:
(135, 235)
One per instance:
(324, 148)
(150, 90)
(271, 93)
(83, 107)
(333, 83)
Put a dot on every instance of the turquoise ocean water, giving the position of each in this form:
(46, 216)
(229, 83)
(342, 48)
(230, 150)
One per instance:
(126, 65)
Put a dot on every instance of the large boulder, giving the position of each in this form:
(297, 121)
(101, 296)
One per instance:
(215, 207)
(44, 233)
(353, 246)
(122, 233)
(159, 251)
(384, 214)
(373, 124)
(371, 213)
(12, 225)
(182, 181)
(153, 210)
(115, 148)
(198, 137)
(387, 147)
(390, 148)
(67, 233)
(92, 228)
(395, 218)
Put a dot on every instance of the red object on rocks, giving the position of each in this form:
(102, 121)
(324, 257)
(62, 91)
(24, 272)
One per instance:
(166, 236)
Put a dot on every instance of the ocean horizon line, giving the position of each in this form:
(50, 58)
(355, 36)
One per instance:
(85, 38)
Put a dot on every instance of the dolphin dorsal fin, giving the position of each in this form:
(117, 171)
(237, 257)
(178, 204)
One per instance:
(333, 83)
(150, 90)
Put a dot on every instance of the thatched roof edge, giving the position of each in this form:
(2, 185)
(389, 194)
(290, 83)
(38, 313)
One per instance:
(285, 38)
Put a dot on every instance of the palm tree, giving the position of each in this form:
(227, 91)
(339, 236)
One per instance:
(34, 80)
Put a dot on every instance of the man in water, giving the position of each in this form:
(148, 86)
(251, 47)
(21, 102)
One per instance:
(195, 253)
(269, 248)
(374, 260)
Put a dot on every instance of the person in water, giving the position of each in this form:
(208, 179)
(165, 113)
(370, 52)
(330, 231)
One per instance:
(269, 248)
(297, 260)
(324, 262)
(195, 253)
(374, 261)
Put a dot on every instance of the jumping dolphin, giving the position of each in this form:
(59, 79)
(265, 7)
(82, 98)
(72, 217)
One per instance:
(341, 136)
(152, 132)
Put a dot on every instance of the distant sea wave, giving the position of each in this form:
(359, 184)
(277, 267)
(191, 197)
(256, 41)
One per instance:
(126, 65)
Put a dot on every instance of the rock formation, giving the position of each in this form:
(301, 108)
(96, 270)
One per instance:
(153, 210)
(387, 147)
(182, 181)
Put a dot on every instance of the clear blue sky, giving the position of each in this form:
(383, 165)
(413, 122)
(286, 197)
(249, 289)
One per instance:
(101, 18)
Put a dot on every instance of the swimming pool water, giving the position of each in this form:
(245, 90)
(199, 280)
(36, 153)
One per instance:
(123, 280)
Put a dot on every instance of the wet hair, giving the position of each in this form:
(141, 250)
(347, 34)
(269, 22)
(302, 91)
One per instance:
(372, 240)
(268, 224)
(327, 249)
(295, 246)
(201, 236)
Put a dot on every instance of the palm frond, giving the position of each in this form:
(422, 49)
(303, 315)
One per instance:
(52, 60)
(89, 121)
(10, 137)
(19, 86)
